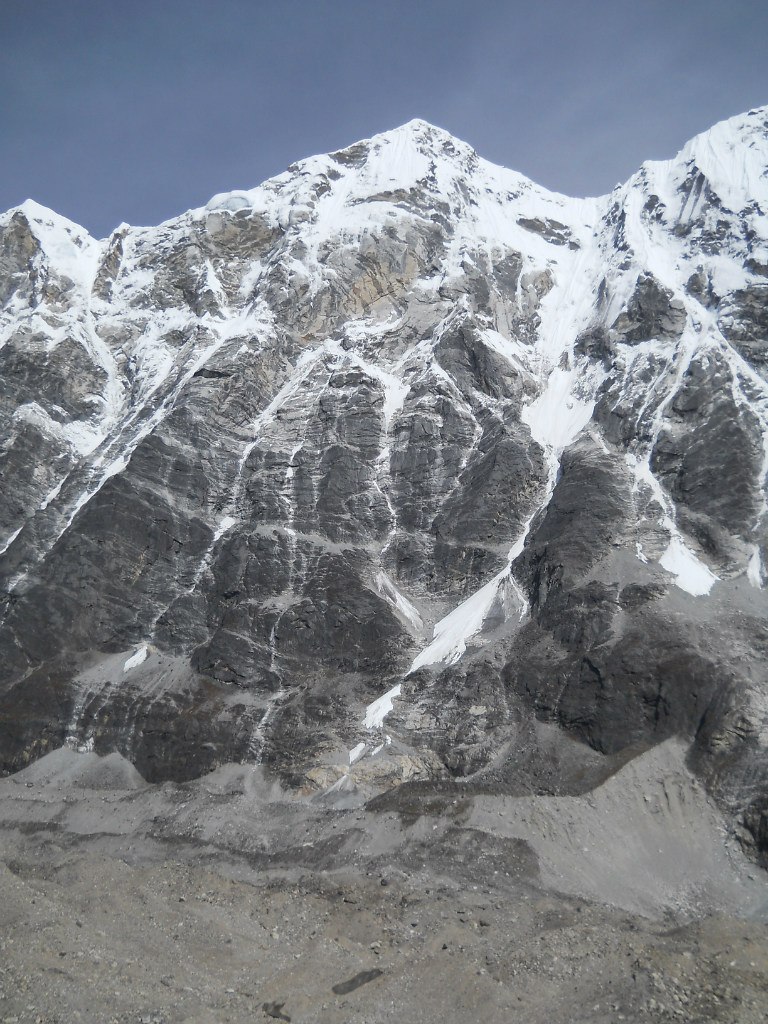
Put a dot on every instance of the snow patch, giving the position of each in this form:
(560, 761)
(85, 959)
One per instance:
(226, 524)
(558, 415)
(52, 495)
(755, 569)
(11, 539)
(356, 753)
(380, 708)
(136, 659)
(398, 601)
(229, 202)
(692, 575)
(452, 632)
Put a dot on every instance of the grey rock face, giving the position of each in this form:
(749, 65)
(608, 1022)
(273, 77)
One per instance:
(397, 421)
(652, 312)
(744, 321)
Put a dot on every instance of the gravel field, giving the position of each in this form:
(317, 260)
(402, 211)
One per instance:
(224, 900)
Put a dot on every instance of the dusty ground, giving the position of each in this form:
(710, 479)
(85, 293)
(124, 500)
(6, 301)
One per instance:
(121, 902)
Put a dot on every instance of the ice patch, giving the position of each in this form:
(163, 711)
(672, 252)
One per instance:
(398, 601)
(338, 785)
(755, 569)
(294, 452)
(356, 753)
(52, 495)
(451, 633)
(380, 708)
(226, 524)
(136, 659)
(10, 540)
(230, 202)
(692, 575)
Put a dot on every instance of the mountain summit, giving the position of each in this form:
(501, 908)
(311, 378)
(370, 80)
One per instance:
(396, 467)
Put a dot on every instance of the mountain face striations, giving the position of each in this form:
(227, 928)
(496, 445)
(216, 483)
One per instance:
(396, 468)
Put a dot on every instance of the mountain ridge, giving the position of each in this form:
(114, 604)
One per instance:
(412, 126)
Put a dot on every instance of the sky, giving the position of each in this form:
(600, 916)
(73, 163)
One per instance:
(115, 111)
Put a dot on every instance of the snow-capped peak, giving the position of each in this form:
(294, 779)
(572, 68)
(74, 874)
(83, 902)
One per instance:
(730, 159)
(391, 407)
(69, 248)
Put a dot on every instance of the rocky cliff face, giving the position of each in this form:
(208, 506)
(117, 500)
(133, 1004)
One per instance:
(370, 473)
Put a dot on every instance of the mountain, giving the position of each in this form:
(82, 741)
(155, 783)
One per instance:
(398, 467)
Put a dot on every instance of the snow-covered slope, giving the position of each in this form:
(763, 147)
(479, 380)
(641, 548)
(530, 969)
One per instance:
(396, 428)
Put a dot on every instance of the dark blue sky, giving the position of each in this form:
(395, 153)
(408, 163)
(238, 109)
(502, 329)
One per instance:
(133, 110)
